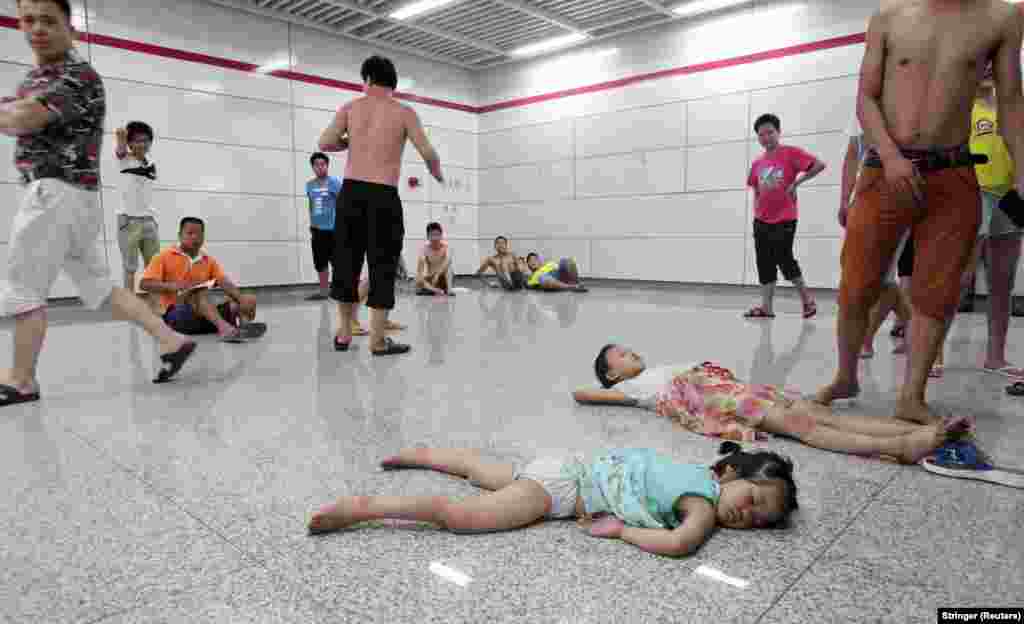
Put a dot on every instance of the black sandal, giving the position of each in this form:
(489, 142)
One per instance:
(898, 331)
(1016, 389)
(172, 362)
(9, 395)
(392, 348)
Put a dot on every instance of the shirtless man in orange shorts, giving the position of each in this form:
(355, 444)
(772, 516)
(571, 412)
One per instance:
(921, 69)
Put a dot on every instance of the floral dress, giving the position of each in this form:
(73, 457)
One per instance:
(709, 400)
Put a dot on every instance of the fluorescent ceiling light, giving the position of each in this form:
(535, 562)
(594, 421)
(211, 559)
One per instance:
(549, 44)
(704, 6)
(418, 8)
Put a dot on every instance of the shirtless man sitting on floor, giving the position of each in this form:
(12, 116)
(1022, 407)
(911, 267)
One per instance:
(505, 265)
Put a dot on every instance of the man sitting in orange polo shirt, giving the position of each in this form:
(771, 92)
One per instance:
(183, 275)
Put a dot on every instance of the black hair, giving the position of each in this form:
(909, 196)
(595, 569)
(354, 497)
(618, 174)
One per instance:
(318, 156)
(532, 254)
(768, 118)
(380, 71)
(434, 226)
(761, 466)
(498, 238)
(601, 367)
(63, 5)
(188, 220)
(138, 127)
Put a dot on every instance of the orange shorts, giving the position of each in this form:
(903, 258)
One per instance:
(944, 226)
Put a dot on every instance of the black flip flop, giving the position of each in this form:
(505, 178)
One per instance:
(342, 346)
(172, 362)
(9, 395)
(1016, 389)
(392, 348)
(252, 330)
(423, 292)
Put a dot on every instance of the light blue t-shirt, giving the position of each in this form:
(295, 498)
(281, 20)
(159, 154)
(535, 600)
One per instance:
(323, 199)
(641, 487)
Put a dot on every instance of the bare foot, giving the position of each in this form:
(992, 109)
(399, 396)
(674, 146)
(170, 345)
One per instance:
(333, 517)
(835, 391)
(921, 443)
(917, 413)
(173, 343)
(393, 326)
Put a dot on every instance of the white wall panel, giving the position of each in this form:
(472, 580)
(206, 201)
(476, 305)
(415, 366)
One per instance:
(636, 173)
(457, 148)
(527, 182)
(701, 260)
(820, 106)
(717, 119)
(717, 167)
(539, 143)
(643, 129)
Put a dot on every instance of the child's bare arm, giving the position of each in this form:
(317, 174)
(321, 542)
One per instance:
(603, 397)
(697, 527)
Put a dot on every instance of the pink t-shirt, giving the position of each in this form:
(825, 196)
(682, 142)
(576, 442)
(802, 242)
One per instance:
(770, 176)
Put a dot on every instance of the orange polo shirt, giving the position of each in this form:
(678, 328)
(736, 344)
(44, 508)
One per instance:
(174, 265)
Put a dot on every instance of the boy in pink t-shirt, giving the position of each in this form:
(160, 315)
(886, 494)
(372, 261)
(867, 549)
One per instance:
(775, 177)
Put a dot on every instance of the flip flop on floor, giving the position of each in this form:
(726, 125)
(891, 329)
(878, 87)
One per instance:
(962, 459)
(758, 312)
(342, 345)
(1016, 389)
(172, 362)
(1007, 371)
(253, 330)
(9, 395)
(810, 310)
(392, 348)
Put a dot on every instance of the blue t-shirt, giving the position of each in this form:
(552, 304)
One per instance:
(323, 199)
(641, 487)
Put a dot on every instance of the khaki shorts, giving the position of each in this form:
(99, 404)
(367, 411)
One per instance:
(137, 235)
(57, 226)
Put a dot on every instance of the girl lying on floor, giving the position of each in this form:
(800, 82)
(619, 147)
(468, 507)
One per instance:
(635, 495)
(707, 399)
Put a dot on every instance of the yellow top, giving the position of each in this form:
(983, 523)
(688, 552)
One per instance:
(547, 269)
(996, 176)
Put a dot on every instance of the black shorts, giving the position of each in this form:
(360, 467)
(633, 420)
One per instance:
(773, 248)
(323, 248)
(368, 222)
(184, 319)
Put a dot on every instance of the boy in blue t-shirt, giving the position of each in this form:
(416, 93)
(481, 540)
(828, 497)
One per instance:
(322, 192)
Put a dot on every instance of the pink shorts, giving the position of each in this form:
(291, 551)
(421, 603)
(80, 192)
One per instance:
(710, 401)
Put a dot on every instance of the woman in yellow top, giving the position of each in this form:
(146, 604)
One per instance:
(999, 240)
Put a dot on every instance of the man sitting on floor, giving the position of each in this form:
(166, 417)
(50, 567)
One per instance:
(505, 265)
(434, 272)
(560, 275)
(183, 275)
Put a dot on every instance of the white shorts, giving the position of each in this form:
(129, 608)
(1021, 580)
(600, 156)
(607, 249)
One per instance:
(559, 483)
(57, 226)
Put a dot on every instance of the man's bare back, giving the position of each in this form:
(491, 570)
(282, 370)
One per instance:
(933, 54)
(374, 129)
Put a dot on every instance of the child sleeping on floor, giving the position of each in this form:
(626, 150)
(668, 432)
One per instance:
(636, 495)
(709, 400)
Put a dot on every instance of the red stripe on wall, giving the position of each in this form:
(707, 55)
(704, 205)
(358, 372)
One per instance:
(216, 61)
(804, 48)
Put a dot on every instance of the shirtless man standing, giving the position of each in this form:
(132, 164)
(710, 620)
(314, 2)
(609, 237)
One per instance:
(920, 73)
(505, 265)
(369, 220)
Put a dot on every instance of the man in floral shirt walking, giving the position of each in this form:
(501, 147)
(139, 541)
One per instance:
(57, 117)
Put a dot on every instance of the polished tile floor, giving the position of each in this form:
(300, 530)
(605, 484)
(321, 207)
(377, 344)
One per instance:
(131, 502)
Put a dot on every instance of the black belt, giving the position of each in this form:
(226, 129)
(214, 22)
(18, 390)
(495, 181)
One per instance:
(934, 159)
